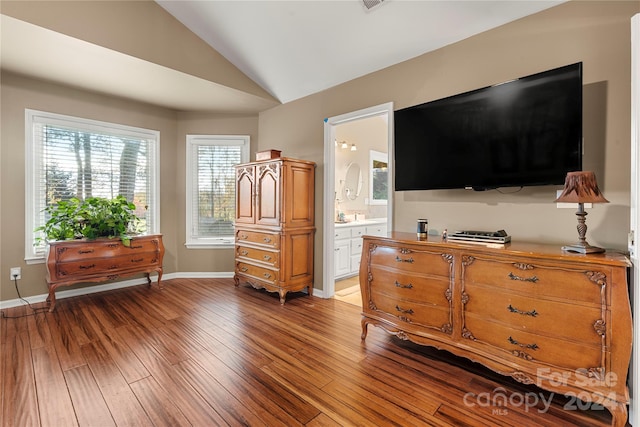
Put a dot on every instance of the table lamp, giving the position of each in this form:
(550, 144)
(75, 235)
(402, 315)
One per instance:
(581, 187)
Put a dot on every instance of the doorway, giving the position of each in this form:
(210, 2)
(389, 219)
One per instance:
(331, 130)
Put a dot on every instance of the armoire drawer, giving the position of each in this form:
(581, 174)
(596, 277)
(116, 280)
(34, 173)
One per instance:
(260, 255)
(271, 240)
(260, 273)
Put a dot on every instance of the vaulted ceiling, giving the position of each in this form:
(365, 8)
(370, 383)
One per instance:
(271, 51)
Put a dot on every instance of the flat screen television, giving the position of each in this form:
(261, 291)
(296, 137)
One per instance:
(524, 132)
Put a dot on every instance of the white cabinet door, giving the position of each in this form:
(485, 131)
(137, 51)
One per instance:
(342, 257)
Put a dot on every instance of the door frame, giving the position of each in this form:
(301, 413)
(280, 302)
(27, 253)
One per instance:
(328, 285)
(634, 249)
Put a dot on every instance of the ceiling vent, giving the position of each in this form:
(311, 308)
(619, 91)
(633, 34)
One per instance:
(370, 4)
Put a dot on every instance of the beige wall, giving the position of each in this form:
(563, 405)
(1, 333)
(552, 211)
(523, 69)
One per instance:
(596, 33)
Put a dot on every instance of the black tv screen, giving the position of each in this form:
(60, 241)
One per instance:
(524, 132)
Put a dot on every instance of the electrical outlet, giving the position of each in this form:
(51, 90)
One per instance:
(16, 271)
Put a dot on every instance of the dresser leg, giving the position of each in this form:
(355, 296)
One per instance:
(364, 328)
(283, 294)
(236, 279)
(618, 411)
(51, 299)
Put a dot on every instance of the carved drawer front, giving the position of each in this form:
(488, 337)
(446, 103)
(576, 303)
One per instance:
(538, 280)
(261, 273)
(102, 248)
(410, 260)
(558, 352)
(268, 257)
(412, 312)
(105, 265)
(560, 319)
(429, 290)
(270, 240)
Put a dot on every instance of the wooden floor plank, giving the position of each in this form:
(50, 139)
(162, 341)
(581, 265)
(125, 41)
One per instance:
(203, 352)
(123, 405)
(192, 404)
(19, 395)
(54, 400)
(158, 404)
(90, 407)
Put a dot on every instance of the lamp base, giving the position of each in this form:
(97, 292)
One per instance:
(583, 248)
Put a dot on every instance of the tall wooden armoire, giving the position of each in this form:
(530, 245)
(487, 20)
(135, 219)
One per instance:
(274, 225)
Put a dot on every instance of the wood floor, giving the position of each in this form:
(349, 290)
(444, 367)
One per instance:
(204, 353)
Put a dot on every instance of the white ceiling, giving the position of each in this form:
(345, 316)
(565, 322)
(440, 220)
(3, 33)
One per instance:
(290, 48)
(296, 48)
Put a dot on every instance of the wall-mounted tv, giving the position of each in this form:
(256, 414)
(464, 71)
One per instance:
(523, 132)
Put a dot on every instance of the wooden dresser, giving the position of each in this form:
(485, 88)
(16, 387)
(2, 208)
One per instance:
(99, 260)
(274, 225)
(558, 320)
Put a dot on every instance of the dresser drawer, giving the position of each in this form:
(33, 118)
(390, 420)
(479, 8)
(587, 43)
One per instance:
(578, 285)
(271, 240)
(522, 345)
(83, 250)
(260, 273)
(261, 255)
(431, 291)
(94, 266)
(550, 318)
(410, 260)
(412, 312)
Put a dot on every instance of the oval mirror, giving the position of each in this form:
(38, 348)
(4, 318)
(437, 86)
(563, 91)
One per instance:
(352, 181)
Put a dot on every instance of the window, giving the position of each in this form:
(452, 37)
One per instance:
(211, 188)
(378, 177)
(74, 157)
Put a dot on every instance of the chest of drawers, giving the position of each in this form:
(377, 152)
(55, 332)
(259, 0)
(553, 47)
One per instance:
(558, 320)
(99, 260)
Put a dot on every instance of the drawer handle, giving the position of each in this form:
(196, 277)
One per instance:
(85, 251)
(405, 311)
(267, 239)
(135, 247)
(244, 269)
(137, 260)
(267, 275)
(533, 346)
(267, 257)
(533, 279)
(532, 313)
(400, 285)
(87, 267)
(409, 260)
(244, 252)
(243, 236)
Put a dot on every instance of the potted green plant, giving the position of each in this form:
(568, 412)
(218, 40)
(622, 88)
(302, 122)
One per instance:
(91, 218)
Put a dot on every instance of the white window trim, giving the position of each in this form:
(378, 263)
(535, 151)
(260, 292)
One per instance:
(33, 163)
(237, 140)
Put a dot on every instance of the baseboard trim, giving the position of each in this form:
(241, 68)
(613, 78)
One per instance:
(111, 286)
